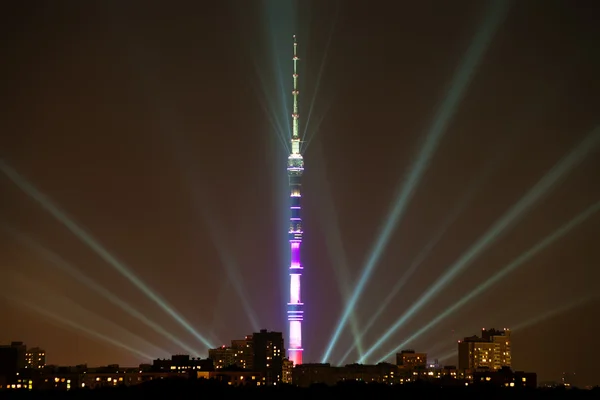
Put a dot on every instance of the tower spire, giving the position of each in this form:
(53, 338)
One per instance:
(295, 168)
(295, 112)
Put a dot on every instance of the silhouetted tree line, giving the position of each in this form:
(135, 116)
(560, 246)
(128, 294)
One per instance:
(196, 389)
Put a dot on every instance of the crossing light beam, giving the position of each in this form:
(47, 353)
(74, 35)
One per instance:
(556, 174)
(495, 15)
(89, 240)
(76, 273)
(516, 263)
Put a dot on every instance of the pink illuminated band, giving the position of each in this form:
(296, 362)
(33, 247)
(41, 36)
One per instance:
(295, 335)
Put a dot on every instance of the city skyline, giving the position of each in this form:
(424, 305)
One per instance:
(452, 150)
(259, 359)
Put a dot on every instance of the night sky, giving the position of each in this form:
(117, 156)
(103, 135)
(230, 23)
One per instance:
(153, 127)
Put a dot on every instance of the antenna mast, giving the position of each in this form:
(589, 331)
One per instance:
(295, 114)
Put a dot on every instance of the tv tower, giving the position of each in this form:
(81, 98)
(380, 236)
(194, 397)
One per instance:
(295, 167)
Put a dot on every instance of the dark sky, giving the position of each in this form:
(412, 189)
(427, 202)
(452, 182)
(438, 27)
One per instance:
(143, 122)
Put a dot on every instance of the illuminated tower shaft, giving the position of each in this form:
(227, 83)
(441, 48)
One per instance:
(295, 168)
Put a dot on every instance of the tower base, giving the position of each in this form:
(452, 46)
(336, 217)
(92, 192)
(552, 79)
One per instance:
(295, 355)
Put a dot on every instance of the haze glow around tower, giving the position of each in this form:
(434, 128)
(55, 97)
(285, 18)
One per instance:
(295, 168)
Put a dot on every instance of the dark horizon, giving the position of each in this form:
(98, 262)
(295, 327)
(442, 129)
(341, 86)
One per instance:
(154, 128)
